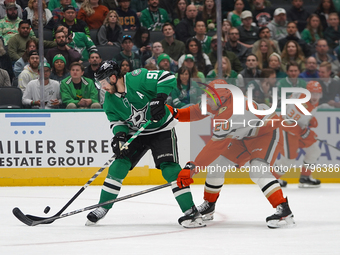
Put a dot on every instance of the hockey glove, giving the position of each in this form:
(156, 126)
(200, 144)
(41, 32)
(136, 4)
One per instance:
(117, 143)
(313, 122)
(305, 133)
(184, 177)
(157, 107)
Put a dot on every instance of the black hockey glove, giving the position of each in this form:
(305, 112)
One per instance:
(157, 107)
(117, 143)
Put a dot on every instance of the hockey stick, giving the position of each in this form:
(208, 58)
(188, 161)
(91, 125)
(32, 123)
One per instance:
(328, 144)
(107, 164)
(31, 222)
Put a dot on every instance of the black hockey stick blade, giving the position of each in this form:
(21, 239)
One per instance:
(34, 220)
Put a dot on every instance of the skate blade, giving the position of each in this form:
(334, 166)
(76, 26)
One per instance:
(287, 222)
(196, 223)
(306, 185)
(90, 223)
(208, 216)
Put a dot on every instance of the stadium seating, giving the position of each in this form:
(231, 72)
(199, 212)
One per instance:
(10, 98)
(108, 52)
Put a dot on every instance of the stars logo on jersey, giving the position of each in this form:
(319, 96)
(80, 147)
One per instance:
(140, 94)
(138, 116)
(136, 72)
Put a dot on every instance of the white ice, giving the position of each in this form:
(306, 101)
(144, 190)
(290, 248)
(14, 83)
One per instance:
(148, 224)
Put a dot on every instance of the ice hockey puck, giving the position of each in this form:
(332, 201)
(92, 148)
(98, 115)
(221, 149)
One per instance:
(47, 209)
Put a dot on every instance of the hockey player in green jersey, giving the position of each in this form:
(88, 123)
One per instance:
(130, 101)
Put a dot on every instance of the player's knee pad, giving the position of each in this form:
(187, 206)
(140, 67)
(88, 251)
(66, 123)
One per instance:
(218, 168)
(313, 152)
(120, 168)
(170, 170)
(259, 172)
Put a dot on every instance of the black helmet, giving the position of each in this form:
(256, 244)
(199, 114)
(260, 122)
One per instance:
(106, 69)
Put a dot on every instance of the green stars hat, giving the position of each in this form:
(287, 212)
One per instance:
(60, 57)
(162, 57)
(46, 65)
(189, 56)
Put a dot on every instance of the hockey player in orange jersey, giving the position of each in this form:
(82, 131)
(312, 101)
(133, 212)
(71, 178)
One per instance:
(301, 136)
(234, 145)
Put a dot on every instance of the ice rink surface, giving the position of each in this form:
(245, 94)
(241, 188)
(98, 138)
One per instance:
(148, 224)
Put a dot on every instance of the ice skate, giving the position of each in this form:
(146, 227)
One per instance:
(308, 182)
(283, 218)
(191, 219)
(96, 215)
(282, 183)
(207, 209)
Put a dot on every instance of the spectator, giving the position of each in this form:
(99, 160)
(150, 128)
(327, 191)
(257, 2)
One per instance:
(264, 33)
(110, 33)
(298, 14)
(278, 26)
(227, 73)
(322, 55)
(205, 40)
(292, 52)
(262, 14)
(59, 70)
(198, 4)
(251, 72)
(226, 25)
(291, 36)
(93, 13)
(275, 63)
(252, 3)
(19, 65)
(185, 28)
(32, 94)
(30, 71)
(187, 91)
(4, 7)
(235, 62)
(332, 32)
(153, 17)
(313, 31)
(193, 46)
(179, 12)
(169, 7)
(17, 45)
(5, 80)
(292, 79)
(72, 23)
(94, 60)
(111, 5)
(264, 51)
(248, 34)
(142, 45)
(150, 67)
(5, 61)
(128, 54)
(157, 50)
(208, 15)
(233, 45)
(31, 13)
(138, 6)
(330, 87)
(78, 91)
(71, 55)
(164, 62)
(58, 12)
(174, 48)
(53, 4)
(10, 24)
(261, 88)
(128, 18)
(324, 9)
(126, 67)
(235, 16)
(189, 62)
(311, 69)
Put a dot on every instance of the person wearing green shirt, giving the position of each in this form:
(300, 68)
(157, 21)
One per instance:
(153, 17)
(130, 101)
(77, 91)
(201, 30)
(292, 79)
(229, 75)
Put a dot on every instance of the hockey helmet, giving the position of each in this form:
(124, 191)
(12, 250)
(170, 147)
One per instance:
(314, 87)
(218, 92)
(106, 69)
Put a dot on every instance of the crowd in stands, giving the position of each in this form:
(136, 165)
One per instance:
(263, 46)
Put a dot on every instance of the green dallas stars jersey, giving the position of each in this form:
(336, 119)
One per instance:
(129, 112)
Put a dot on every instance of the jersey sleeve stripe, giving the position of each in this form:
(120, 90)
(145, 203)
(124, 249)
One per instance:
(165, 77)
